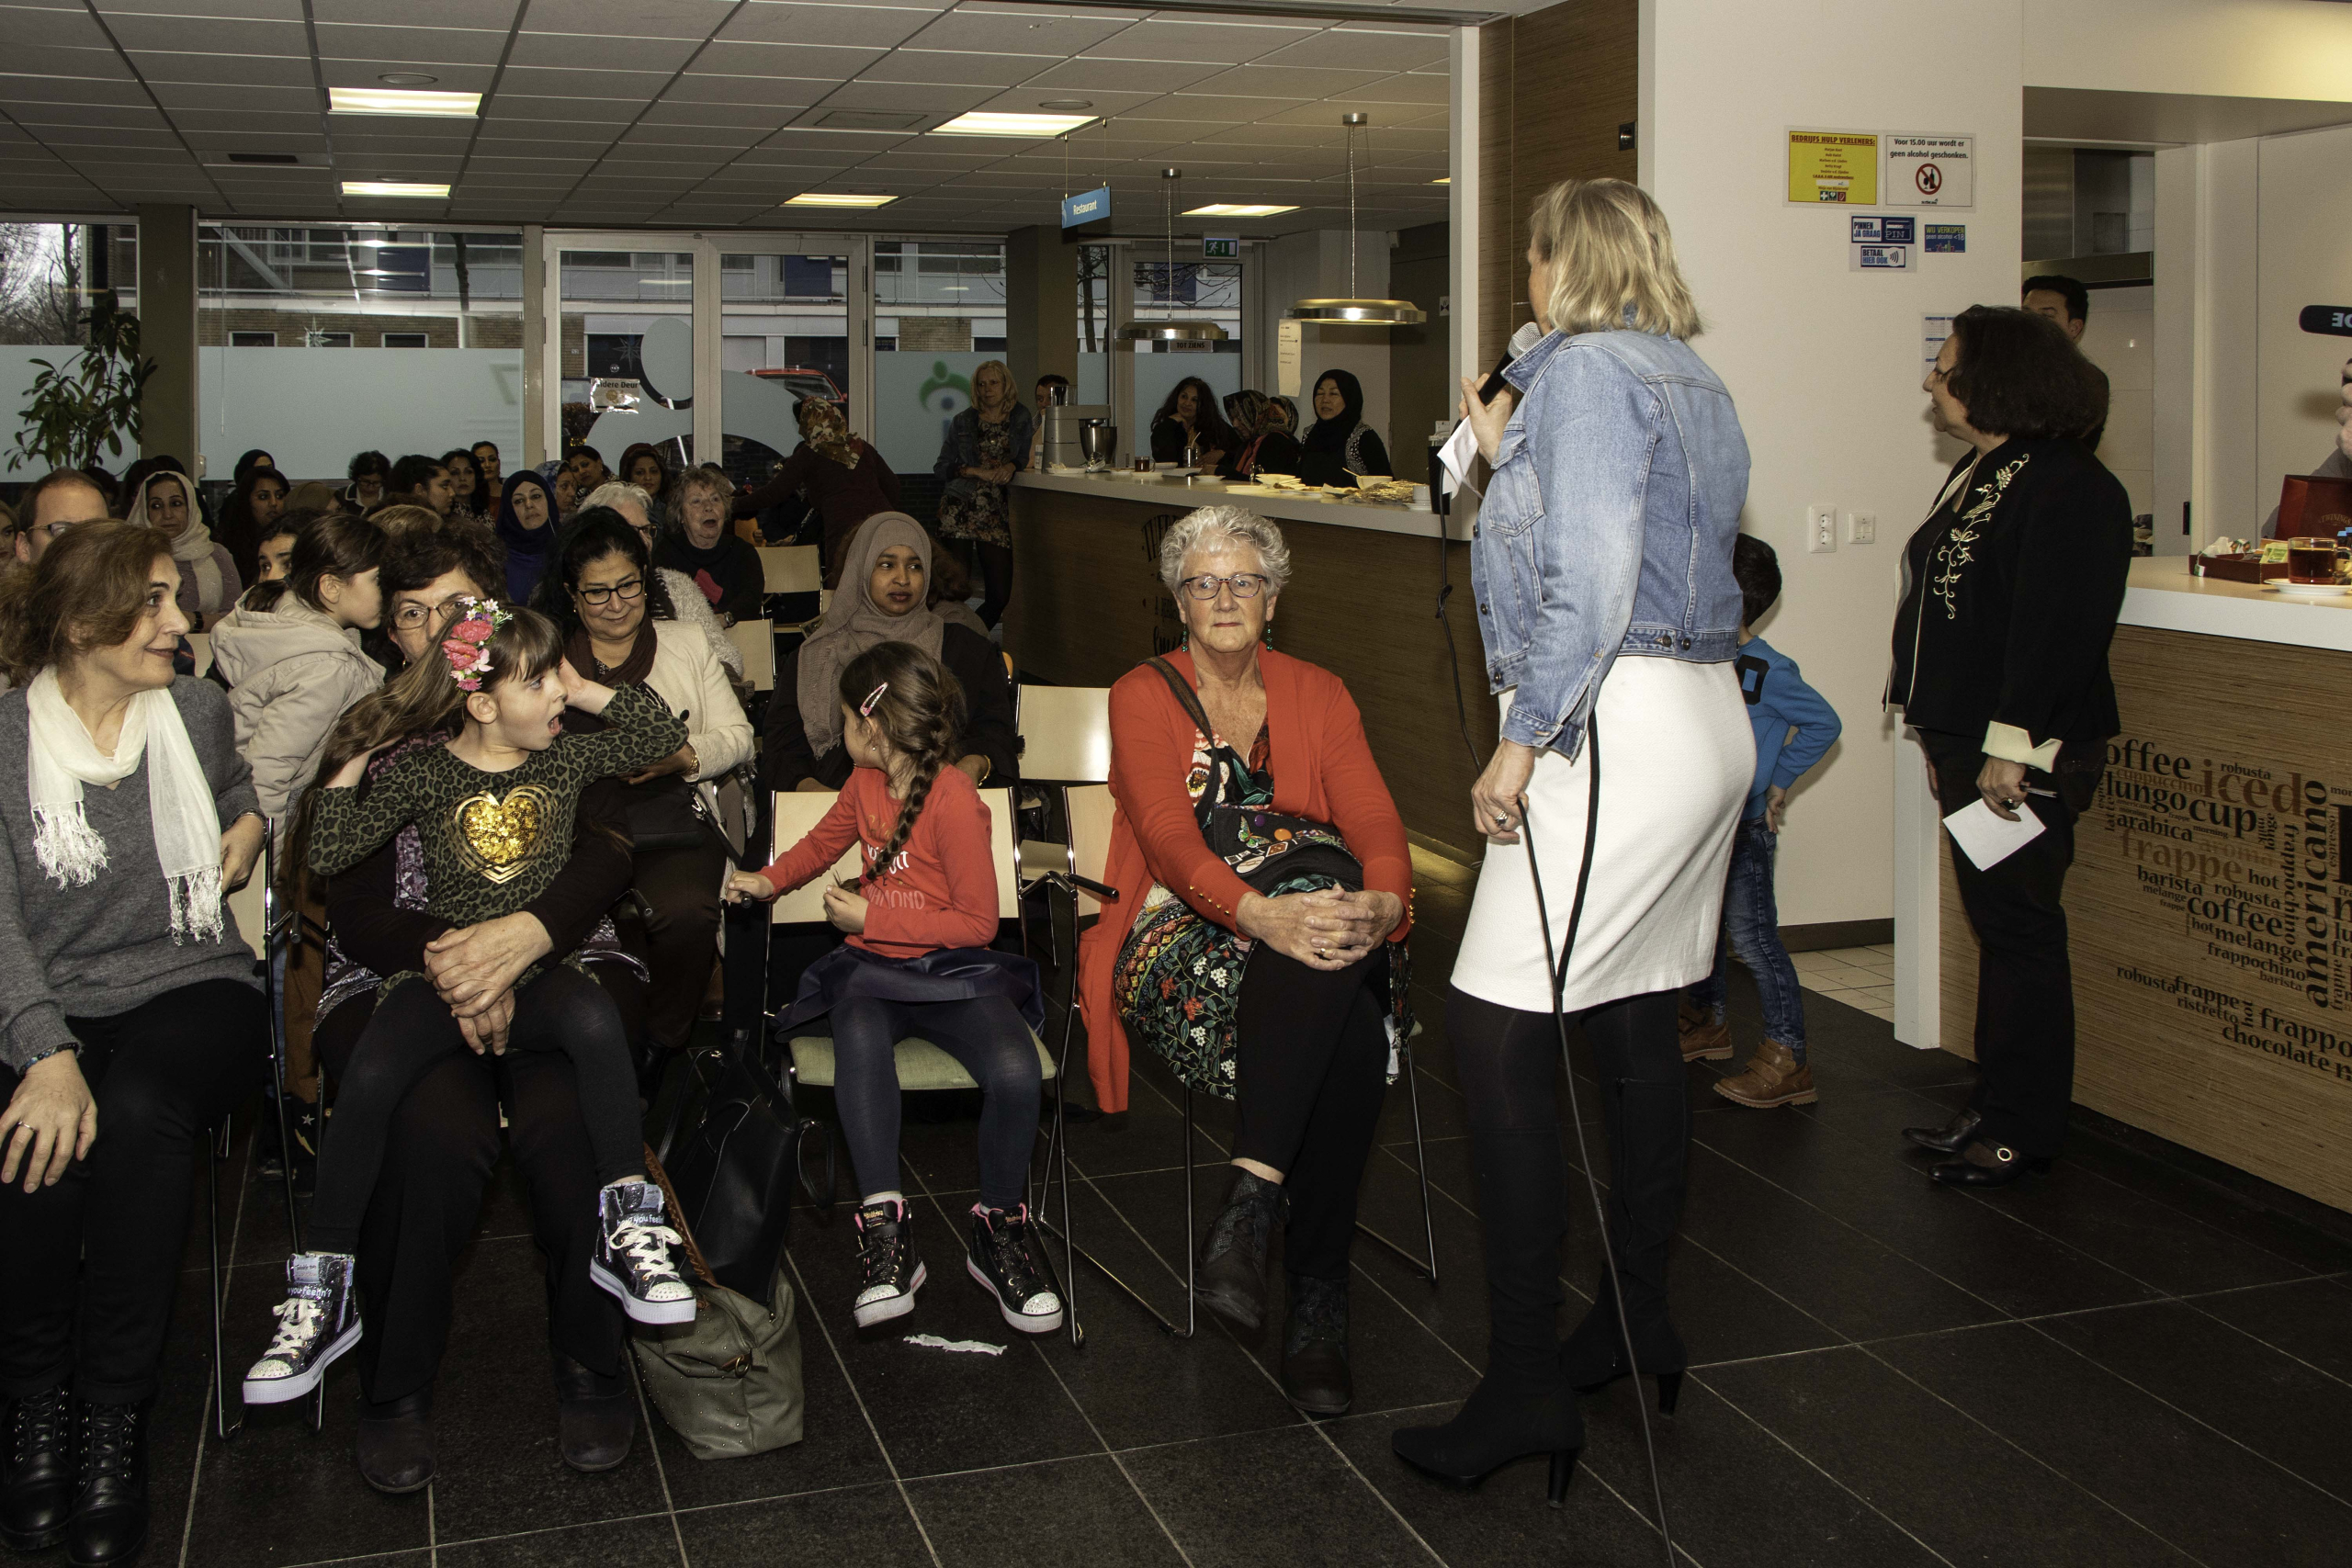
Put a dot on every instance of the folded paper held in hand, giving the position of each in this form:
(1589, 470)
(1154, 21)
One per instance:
(1986, 837)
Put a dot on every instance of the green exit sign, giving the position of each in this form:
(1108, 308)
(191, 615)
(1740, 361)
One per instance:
(1222, 248)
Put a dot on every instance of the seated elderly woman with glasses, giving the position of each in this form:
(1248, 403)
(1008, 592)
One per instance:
(1257, 941)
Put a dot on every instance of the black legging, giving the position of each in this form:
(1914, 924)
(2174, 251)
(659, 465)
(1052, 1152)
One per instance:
(995, 563)
(412, 1031)
(987, 1035)
(1309, 1073)
(679, 887)
(1509, 1062)
(100, 1251)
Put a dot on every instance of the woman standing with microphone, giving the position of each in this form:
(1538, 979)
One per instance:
(1603, 571)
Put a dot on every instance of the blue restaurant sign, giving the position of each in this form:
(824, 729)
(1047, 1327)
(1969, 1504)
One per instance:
(1087, 207)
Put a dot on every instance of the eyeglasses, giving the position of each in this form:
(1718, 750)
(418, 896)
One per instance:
(599, 595)
(408, 617)
(1244, 585)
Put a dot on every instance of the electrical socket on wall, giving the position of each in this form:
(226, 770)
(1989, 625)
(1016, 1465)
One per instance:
(1862, 527)
(1821, 529)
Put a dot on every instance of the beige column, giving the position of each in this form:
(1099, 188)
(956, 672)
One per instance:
(168, 330)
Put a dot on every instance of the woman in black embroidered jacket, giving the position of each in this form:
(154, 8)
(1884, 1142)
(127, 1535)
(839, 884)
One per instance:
(2011, 588)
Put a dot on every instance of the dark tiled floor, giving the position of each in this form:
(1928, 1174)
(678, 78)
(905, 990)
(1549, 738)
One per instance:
(2129, 1363)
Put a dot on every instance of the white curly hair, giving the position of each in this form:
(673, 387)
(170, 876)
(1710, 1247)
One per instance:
(1214, 527)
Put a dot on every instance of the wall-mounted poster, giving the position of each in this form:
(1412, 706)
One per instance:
(1930, 171)
(1838, 166)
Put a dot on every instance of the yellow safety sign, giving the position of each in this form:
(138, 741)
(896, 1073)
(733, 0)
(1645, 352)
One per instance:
(1833, 166)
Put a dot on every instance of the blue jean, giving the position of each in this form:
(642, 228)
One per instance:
(1752, 926)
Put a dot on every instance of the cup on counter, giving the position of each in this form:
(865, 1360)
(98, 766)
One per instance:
(1143, 464)
(2311, 560)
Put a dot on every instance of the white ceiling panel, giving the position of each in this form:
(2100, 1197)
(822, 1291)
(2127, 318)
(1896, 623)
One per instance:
(1291, 82)
(1221, 110)
(210, 35)
(960, 68)
(75, 29)
(1350, 48)
(68, 139)
(726, 59)
(223, 98)
(224, 70)
(47, 59)
(572, 51)
(1059, 34)
(631, 18)
(142, 115)
(369, 73)
(853, 26)
(265, 10)
(1219, 42)
(684, 141)
(636, 87)
(500, 14)
(765, 116)
(421, 47)
(757, 91)
(1092, 73)
(1033, 97)
(907, 98)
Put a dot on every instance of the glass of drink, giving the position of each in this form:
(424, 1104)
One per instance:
(2310, 560)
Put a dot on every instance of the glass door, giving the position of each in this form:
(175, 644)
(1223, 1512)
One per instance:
(623, 335)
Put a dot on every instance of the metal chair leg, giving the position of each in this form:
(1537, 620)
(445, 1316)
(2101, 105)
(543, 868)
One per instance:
(222, 1426)
(1192, 1229)
(1426, 1265)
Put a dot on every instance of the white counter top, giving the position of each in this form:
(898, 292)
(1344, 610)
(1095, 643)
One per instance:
(1387, 517)
(2163, 596)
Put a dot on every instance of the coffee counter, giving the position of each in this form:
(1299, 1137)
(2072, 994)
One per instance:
(1088, 607)
(2208, 903)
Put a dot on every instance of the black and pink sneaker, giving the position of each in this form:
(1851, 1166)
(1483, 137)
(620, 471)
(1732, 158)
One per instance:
(889, 1272)
(1005, 1259)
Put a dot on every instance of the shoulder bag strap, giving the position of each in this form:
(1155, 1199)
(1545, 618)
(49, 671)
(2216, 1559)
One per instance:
(1186, 696)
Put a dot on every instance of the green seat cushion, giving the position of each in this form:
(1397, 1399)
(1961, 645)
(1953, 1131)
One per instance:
(921, 1065)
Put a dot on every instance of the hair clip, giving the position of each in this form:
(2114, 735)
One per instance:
(467, 645)
(865, 708)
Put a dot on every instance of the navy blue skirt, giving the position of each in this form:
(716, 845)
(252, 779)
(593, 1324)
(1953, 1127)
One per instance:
(945, 974)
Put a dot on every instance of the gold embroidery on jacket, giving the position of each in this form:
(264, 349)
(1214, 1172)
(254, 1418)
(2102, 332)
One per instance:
(498, 838)
(1956, 552)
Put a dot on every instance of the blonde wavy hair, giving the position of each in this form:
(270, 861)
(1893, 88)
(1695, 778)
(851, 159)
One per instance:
(1611, 252)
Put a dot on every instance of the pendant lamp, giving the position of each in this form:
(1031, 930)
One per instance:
(1172, 330)
(1355, 310)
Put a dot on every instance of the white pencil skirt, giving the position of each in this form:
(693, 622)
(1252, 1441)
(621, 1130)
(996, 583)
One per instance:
(1677, 756)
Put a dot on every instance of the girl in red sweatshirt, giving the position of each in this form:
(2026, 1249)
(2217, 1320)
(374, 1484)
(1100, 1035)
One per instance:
(917, 965)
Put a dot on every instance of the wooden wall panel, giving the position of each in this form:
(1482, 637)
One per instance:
(1089, 607)
(2211, 910)
(1555, 84)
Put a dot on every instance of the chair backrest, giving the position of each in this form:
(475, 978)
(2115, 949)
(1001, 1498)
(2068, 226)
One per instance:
(1065, 734)
(201, 642)
(797, 811)
(756, 641)
(792, 569)
(1090, 838)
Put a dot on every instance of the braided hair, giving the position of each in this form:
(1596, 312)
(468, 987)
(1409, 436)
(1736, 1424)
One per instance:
(919, 707)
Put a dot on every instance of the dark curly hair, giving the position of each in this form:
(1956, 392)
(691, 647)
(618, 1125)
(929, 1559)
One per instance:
(2018, 375)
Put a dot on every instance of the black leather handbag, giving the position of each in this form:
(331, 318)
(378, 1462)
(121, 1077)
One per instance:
(735, 1148)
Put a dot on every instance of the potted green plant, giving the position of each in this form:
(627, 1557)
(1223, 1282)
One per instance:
(91, 406)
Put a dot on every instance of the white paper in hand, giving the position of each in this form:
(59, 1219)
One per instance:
(1461, 449)
(1986, 837)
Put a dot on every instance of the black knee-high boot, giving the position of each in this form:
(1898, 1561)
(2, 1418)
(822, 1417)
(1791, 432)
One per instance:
(1523, 1406)
(1649, 1142)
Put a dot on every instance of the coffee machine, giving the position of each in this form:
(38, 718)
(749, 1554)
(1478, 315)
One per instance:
(1065, 451)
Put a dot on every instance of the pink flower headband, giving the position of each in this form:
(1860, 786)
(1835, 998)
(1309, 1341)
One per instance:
(467, 646)
(865, 708)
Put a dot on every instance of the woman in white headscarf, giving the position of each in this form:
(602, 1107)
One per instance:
(208, 581)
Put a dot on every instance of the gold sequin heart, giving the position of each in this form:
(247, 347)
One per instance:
(497, 837)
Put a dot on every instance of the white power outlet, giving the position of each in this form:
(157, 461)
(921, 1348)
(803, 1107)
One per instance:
(1821, 529)
(1862, 527)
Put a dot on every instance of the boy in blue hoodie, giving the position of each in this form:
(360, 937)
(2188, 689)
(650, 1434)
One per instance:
(1795, 728)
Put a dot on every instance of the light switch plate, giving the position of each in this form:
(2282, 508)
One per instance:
(1862, 527)
(1821, 529)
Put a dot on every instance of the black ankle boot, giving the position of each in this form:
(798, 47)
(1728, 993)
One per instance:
(37, 1490)
(1511, 1417)
(1232, 1281)
(110, 1506)
(396, 1444)
(596, 1416)
(1314, 1348)
(1594, 1355)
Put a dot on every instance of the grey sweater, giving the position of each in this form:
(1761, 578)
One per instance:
(104, 949)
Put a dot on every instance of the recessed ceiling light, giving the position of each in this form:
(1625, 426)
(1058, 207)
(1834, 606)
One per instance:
(375, 100)
(1234, 210)
(1065, 103)
(393, 187)
(1030, 125)
(407, 79)
(838, 198)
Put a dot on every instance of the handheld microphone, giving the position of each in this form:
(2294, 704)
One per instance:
(1530, 334)
(2331, 321)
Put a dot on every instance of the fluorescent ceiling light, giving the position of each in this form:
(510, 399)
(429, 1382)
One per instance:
(1030, 125)
(393, 187)
(1443, 180)
(387, 100)
(1234, 210)
(838, 198)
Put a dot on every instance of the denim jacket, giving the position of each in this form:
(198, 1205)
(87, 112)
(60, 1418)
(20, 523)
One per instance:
(1607, 528)
(961, 448)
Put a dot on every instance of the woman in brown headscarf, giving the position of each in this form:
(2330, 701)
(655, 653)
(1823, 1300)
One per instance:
(885, 579)
(841, 476)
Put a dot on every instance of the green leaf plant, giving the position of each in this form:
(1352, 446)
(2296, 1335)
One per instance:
(91, 407)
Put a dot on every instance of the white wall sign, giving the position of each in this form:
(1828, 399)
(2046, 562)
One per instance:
(1933, 330)
(1930, 171)
(1878, 258)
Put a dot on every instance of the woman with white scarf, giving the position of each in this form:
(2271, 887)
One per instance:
(209, 582)
(129, 1019)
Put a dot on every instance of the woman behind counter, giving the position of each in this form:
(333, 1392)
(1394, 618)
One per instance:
(1340, 444)
(986, 445)
(1189, 418)
(1266, 445)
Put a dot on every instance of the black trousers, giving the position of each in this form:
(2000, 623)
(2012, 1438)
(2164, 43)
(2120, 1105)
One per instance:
(1310, 1070)
(679, 887)
(1509, 1062)
(2025, 982)
(95, 1259)
(427, 1201)
(993, 564)
(559, 1011)
(987, 1034)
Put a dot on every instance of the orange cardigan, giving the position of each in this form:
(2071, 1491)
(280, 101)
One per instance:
(1323, 769)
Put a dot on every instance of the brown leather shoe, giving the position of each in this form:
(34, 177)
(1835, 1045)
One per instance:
(1773, 1076)
(1703, 1039)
